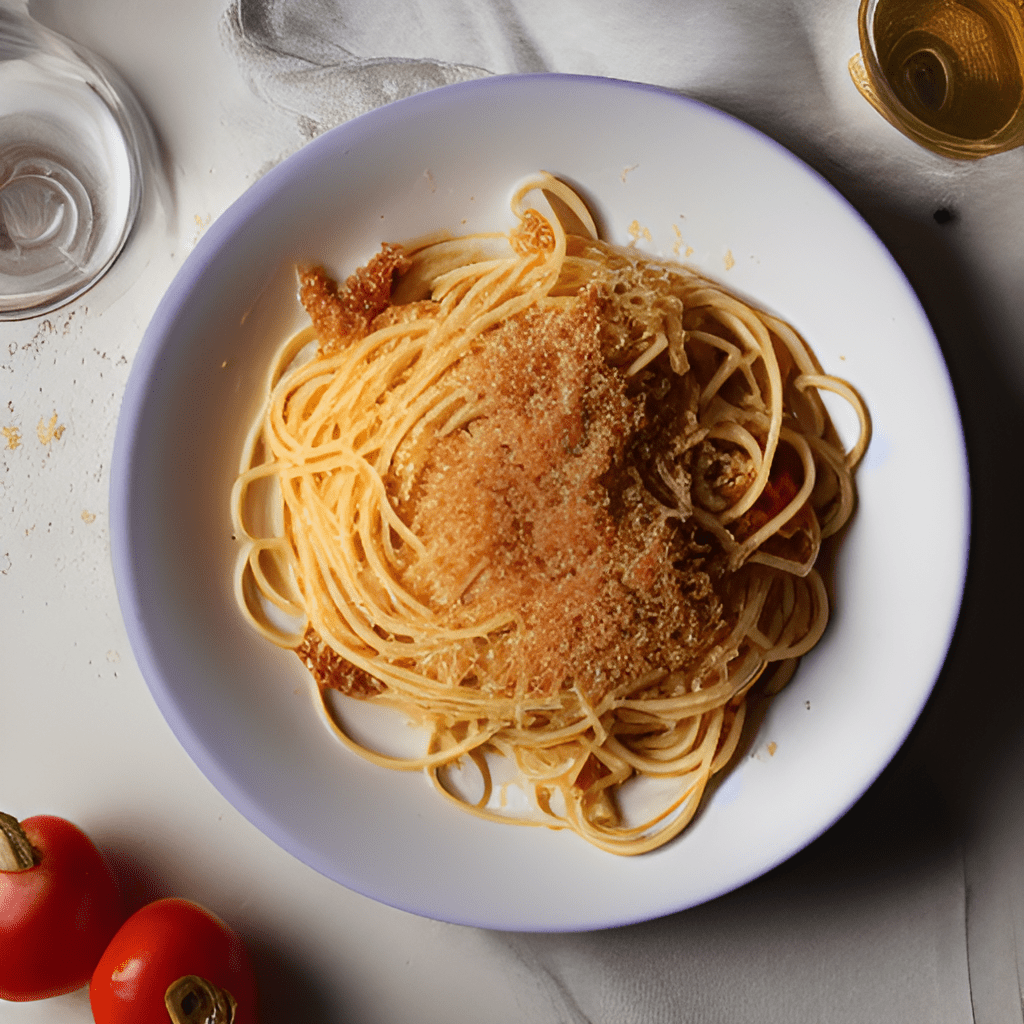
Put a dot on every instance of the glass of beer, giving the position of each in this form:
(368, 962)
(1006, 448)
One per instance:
(947, 73)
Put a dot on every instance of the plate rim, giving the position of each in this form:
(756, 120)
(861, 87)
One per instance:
(145, 363)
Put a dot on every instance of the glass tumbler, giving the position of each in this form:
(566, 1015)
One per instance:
(947, 73)
(70, 167)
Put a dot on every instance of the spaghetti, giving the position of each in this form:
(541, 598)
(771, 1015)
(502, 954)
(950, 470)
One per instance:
(557, 501)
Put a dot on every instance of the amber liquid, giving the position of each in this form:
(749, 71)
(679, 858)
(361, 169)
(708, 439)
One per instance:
(956, 65)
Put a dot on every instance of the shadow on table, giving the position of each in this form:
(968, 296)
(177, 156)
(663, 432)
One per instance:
(290, 990)
(904, 910)
(891, 871)
(976, 714)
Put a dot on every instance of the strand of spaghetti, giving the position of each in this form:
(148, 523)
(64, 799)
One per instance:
(549, 183)
(431, 258)
(801, 352)
(738, 434)
(335, 549)
(490, 293)
(549, 737)
(633, 841)
(270, 632)
(809, 365)
(365, 353)
(688, 704)
(469, 275)
(683, 762)
(727, 749)
(239, 489)
(679, 733)
(846, 391)
(279, 600)
(780, 678)
(734, 361)
(755, 334)
(758, 537)
(649, 354)
(640, 838)
(812, 534)
(724, 372)
(421, 413)
(558, 773)
(483, 812)
(338, 605)
(485, 773)
(797, 649)
(406, 764)
(836, 461)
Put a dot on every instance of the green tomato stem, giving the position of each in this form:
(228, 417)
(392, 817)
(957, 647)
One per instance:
(16, 852)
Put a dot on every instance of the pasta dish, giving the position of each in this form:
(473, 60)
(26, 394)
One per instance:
(557, 501)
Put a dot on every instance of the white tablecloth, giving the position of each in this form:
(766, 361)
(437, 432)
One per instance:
(907, 910)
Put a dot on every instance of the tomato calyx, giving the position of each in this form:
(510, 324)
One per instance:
(16, 851)
(194, 1000)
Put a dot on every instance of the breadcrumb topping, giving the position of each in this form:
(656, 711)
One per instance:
(563, 500)
(341, 314)
(539, 506)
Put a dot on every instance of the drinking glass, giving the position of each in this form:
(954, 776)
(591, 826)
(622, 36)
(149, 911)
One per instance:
(70, 166)
(947, 73)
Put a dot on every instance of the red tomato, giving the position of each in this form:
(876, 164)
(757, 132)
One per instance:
(57, 916)
(159, 944)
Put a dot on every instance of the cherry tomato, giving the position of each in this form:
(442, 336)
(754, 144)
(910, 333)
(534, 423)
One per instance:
(59, 907)
(164, 942)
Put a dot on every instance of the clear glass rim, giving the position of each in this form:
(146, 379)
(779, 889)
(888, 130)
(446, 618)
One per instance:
(129, 119)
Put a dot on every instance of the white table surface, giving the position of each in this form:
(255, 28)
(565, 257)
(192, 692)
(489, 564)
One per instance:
(909, 909)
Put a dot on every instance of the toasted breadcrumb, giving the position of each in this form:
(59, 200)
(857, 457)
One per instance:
(342, 314)
(49, 431)
(544, 505)
(330, 669)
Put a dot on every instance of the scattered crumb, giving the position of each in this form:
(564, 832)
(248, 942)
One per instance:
(113, 657)
(807, 704)
(626, 170)
(224, 365)
(47, 432)
(772, 747)
(87, 516)
(677, 246)
(13, 436)
(637, 231)
(202, 223)
(730, 262)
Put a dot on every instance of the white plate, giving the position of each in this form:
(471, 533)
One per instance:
(677, 176)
